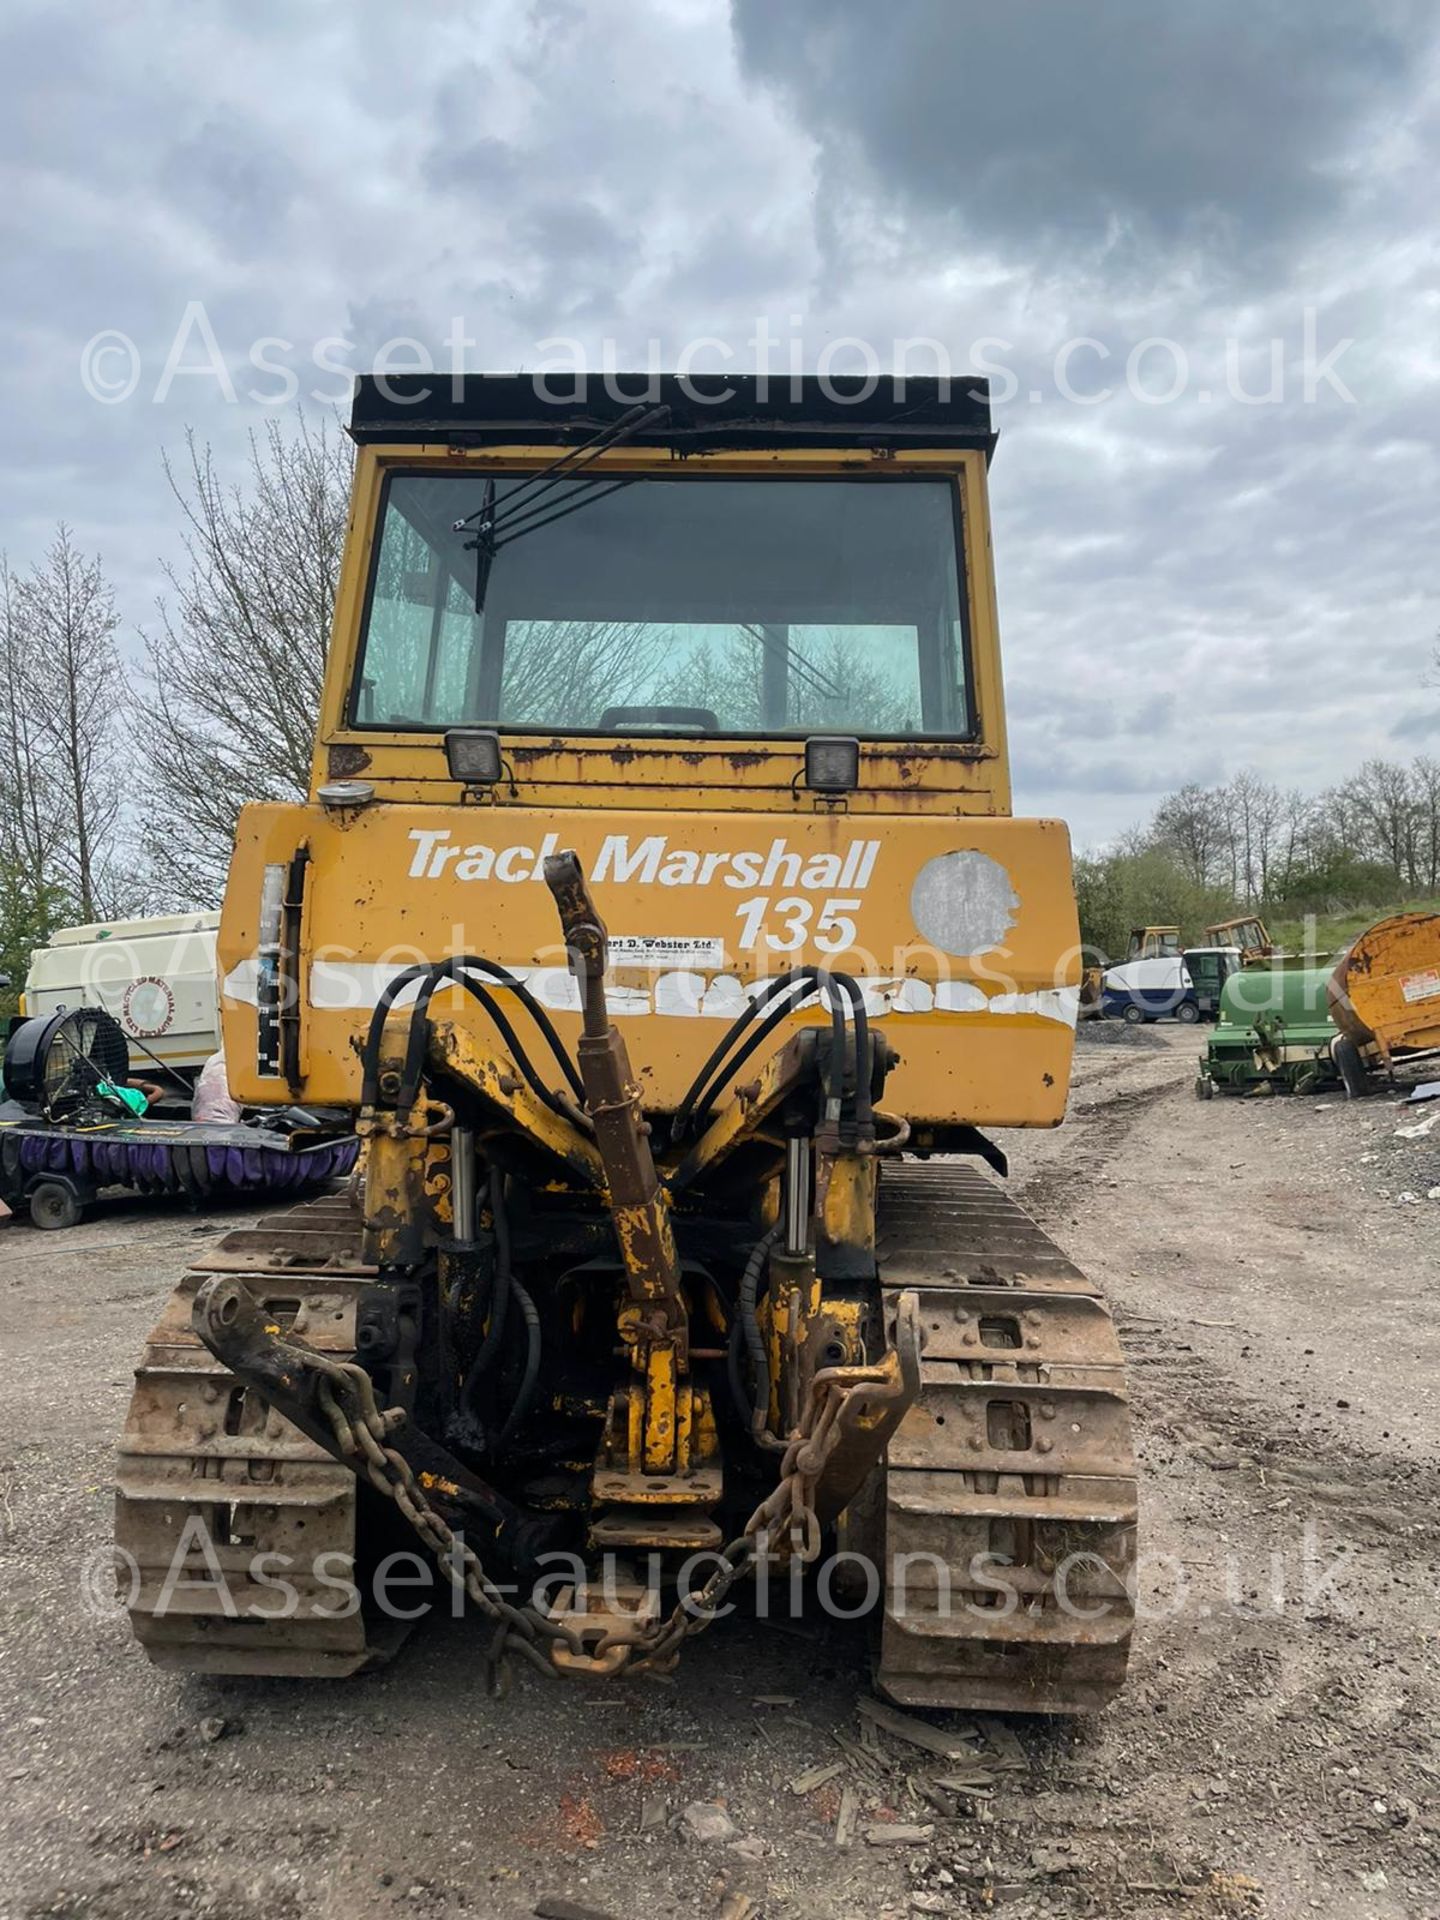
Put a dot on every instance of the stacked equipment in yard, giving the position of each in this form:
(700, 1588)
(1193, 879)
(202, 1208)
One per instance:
(1274, 1030)
(1143, 989)
(68, 1127)
(1186, 986)
(155, 977)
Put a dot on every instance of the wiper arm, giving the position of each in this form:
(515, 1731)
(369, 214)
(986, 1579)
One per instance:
(494, 531)
(805, 670)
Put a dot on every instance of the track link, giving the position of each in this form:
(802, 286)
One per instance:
(210, 1477)
(1019, 1448)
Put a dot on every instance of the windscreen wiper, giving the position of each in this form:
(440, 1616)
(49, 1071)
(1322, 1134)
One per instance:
(806, 672)
(494, 530)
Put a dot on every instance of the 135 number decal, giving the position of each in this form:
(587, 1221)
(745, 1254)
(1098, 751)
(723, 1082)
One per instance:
(786, 924)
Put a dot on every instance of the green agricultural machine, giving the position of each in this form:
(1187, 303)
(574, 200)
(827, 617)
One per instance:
(1274, 1032)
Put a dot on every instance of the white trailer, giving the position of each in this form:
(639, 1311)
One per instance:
(157, 977)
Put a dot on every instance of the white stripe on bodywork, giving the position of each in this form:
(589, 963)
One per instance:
(340, 986)
(1051, 1003)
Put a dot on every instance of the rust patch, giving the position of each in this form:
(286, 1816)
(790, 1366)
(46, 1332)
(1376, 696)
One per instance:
(627, 1764)
(345, 759)
(824, 1805)
(579, 1823)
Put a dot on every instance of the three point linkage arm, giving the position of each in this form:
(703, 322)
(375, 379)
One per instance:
(622, 1134)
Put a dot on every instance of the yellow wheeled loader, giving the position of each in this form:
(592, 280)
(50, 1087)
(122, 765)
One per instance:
(659, 919)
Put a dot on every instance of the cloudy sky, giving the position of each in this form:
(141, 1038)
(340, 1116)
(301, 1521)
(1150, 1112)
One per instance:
(1242, 574)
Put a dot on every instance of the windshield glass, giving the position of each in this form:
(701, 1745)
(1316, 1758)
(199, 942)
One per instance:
(700, 605)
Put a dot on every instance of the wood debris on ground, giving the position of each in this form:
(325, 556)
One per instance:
(957, 1745)
(967, 1763)
(814, 1777)
(1003, 1739)
(845, 1820)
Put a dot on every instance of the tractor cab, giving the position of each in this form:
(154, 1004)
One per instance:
(1153, 943)
(1249, 934)
(1208, 968)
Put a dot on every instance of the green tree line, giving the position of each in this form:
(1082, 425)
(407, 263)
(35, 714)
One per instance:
(1211, 853)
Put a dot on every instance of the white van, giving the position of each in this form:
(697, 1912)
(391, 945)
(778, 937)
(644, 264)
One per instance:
(157, 977)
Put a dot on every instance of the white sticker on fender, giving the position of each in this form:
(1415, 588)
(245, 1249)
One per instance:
(666, 950)
(1421, 986)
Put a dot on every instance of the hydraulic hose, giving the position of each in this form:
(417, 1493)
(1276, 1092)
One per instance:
(459, 969)
(864, 1108)
(499, 1299)
(749, 1320)
(722, 1065)
(415, 1048)
(734, 1341)
(750, 1011)
(531, 1376)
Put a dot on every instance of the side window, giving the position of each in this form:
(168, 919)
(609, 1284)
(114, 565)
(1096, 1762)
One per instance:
(420, 640)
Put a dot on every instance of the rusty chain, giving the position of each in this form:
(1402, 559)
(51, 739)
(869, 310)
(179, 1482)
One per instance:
(362, 1433)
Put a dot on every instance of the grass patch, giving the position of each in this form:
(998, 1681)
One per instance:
(1324, 934)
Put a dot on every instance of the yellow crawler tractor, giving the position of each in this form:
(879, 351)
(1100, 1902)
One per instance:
(658, 922)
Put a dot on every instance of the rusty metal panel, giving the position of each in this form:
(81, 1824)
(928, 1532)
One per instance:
(1107, 1501)
(1073, 1331)
(947, 1224)
(1071, 1430)
(199, 1449)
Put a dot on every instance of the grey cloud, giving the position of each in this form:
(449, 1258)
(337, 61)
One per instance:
(572, 230)
(483, 165)
(1226, 124)
(1062, 770)
(1170, 579)
(229, 178)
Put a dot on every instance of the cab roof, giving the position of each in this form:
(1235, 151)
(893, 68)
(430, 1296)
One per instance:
(705, 410)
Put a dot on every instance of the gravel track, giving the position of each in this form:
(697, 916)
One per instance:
(1275, 1751)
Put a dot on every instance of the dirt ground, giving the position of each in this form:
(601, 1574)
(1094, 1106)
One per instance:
(1272, 1264)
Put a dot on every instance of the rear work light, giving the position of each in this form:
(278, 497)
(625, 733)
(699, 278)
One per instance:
(473, 756)
(832, 763)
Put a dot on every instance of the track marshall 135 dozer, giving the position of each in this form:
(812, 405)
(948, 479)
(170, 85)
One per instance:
(659, 916)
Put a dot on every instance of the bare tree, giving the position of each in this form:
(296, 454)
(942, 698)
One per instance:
(1193, 824)
(236, 669)
(1293, 841)
(1256, 813)
(30, 823)
(830, 680)
(1379, 816)
(73, 689)
(565, 673)
(1425, 798)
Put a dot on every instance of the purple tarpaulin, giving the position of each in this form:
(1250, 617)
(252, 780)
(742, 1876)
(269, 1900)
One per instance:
(157, 1164)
